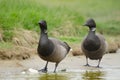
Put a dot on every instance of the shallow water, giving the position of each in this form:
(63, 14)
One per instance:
(111, 73)
(19, 70)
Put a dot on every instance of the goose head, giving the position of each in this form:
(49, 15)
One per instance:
(91, 24)
(43, 26)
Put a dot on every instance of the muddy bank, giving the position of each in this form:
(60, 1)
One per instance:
(25, 45)
(18, 52)
(22, 53)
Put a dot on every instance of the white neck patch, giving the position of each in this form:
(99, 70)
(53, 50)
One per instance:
(93, 29)
(45, 31)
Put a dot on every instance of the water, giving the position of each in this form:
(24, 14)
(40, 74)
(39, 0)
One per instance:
(85, 74)
(110, 70)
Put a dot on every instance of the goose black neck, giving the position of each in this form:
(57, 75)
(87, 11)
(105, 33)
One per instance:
(43, 37)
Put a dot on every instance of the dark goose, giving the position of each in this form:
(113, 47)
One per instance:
(94, 45)
(51, 49)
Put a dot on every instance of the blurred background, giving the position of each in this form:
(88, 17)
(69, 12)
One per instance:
(19, 29)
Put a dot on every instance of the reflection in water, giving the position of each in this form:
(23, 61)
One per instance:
(53, 77)
(106, 74)
(93, 75)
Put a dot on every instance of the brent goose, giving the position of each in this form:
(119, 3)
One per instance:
(51, 49)
(93, 45)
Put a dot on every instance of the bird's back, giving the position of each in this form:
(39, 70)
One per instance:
(59, 52)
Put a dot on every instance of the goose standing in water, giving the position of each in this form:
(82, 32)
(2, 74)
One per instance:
(94, 45)
(51, 49)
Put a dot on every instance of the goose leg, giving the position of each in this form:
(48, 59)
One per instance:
(87, 61)
(55, 67)
(45, 68)
(99, 63)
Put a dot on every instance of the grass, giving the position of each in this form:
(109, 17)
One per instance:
(6, 45)
(65, 18)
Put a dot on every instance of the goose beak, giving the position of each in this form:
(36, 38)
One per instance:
(84, 24)
(42, 22)
(39, 22)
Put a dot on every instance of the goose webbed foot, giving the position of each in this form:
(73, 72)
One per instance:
(87, 62)
(98, 63)
(98, 66)
(56, 67)
(43, 70)
(87, 65)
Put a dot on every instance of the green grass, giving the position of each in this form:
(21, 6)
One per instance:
(64, 17)
(6, 45)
